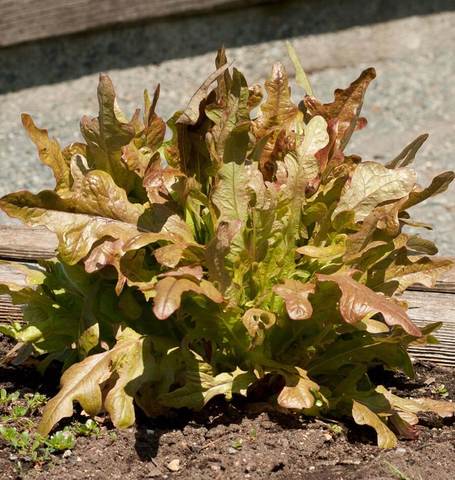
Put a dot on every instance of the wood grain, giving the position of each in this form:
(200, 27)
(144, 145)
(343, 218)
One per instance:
(428, 307)
(10, 273)
(445, 284)
(24, 243)
(25, 20)
(8, 311)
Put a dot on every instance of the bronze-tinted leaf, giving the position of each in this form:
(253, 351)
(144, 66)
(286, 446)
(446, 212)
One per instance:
(135, 160)
(358, 301)
(114, 128)
(170, 255)
(186, 271)
(345, 108)
(217, 250)
(158, 181)
(278, 109)
(402, 272)
(299, 392)
(231, 123)
(155, 126)
(169, 292)
(49, 153)
(295, 295)
(438, 185)
(256, 321)
(364, 416)
(129, 367)
(190, 115)
(417, 405)
(223, 81)
(82, 383)
(314, 140)
(407, 155)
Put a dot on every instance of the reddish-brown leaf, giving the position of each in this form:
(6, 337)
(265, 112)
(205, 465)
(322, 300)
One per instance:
(295, 295)
(358, 301)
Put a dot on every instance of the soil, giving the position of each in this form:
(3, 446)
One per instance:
(228, 441)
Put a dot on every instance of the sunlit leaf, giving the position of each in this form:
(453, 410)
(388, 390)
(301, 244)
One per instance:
(373, 184)
(364, 416)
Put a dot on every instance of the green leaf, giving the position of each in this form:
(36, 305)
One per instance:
(326, 253)
(438, 185)
(231, 195)
(200, 388)
(300, 75)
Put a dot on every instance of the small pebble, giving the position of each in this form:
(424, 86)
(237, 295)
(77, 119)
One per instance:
(174, 465)
(67, 453)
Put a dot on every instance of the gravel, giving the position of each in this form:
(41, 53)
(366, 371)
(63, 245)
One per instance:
(414, 93)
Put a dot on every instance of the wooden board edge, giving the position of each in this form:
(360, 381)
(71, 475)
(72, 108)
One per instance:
(25, 21)
(22, 243)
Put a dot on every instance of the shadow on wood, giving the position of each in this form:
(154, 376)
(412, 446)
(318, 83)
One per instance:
(151, 42)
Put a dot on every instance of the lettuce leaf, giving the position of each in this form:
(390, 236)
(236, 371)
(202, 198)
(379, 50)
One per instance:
(245, 249)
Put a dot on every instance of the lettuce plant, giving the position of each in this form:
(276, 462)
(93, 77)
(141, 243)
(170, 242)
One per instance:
(244, 253)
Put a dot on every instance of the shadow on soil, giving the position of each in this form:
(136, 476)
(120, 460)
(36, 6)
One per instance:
(218, 414)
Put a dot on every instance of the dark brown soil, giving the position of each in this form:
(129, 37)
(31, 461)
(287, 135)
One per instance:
(231, 442)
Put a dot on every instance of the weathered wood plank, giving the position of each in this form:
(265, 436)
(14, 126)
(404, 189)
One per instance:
(25, 20)
(9, 274)
(427, 307)
(8, 311)
(446, 284)
(18, 242)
